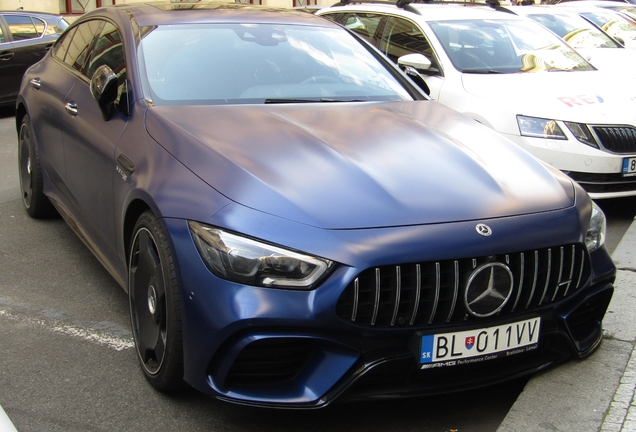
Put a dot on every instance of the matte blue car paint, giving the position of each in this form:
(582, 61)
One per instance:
(311, 179)
(222, 309)
(305, 161)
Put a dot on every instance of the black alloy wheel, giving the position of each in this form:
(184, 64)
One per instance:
(155, 306)
(35, 202)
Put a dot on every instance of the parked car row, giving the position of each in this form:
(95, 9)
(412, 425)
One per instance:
(296, 222)
(614, 18)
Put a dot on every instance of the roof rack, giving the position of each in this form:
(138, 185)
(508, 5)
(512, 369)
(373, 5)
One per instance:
(402, 4)
(406, 4)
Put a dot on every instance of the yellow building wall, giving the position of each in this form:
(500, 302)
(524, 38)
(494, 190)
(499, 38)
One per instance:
(53, 6)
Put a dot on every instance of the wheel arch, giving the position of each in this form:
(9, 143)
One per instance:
(20, 113)
(135, 209)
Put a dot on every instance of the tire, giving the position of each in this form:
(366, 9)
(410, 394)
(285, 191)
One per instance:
(35, 202)
(155, 305)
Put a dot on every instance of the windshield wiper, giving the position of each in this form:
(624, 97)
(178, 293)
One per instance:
(481, 71)
(283, 101)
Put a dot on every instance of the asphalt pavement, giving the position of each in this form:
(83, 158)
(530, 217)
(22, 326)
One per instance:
(595, 394)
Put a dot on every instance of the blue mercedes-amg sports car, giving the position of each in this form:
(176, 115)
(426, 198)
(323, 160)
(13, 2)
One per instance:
(294, 221)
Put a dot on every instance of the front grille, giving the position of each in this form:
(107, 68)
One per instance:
(432, 293)
(270, 361)
(603, 183)
(617, 139)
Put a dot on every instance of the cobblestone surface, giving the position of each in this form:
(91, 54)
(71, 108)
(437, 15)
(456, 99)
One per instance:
(621, 416)
(622, 413)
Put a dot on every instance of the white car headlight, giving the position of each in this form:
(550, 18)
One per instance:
(582, 133)
(247, 261)
(595, 237)
(539, 128)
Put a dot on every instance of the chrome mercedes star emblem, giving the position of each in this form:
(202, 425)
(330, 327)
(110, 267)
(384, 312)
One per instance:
(488, 289)
(483, 229)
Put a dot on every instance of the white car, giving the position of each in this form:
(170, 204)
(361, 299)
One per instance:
(614, 23)
(517, 77)
(628, 9)
(598, 47)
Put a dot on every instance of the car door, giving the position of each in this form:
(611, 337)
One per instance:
(9, 76)
(28, 46)
(402, 36)
(90, 141)
(68, 56)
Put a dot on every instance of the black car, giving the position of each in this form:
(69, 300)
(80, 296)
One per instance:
(25, 37)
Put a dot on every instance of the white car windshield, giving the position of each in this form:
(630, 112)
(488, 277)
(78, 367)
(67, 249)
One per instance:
(505, 46)
(612, 23)
(575, 30)
(264, 63)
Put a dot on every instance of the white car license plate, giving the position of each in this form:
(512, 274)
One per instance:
(629, 167)
(474, 346)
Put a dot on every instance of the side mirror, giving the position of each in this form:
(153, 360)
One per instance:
(104, 90)
(410, 63)
(417, 61)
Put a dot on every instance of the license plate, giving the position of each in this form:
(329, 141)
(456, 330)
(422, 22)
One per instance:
(629, 167)
(474, 346)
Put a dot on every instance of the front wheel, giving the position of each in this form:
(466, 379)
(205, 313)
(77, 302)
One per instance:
(35, 202)
(155, 304)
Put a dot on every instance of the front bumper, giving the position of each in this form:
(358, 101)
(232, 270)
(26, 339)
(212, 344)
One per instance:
(598, 171)
(285, 348)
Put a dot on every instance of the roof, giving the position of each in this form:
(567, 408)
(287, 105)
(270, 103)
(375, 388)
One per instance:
(540, 9)
(165, 13)
(436, 11)
(43, 15)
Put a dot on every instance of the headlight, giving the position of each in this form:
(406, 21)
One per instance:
(247, 261)
(595, 237)
(582, 133)
(539, 128)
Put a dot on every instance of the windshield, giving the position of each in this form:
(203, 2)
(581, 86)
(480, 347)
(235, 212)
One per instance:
(505, 46)
(234, 63)
(627, 9)
(575, 30)
(612, 23)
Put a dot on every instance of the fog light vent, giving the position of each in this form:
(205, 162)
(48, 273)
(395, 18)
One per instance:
(270, 361)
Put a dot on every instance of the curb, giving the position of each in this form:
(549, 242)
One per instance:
(595, 394)
(5, 423)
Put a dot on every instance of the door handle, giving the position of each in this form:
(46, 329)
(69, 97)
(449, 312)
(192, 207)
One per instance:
(6, 55)
(71, 108)
(35, 83)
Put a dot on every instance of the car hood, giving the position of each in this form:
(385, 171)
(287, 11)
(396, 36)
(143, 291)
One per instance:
(586, 97)
(611, 59)
(358, 165)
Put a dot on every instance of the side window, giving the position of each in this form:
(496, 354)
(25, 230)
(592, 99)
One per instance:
(366, 25)
(80, 44)
(60, 48)
(56, 27)
(40, 25)
(108, 50)
(21, 27)
(1, 35)
(404, 37)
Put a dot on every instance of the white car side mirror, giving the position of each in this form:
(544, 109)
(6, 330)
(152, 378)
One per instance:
(417, 61)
